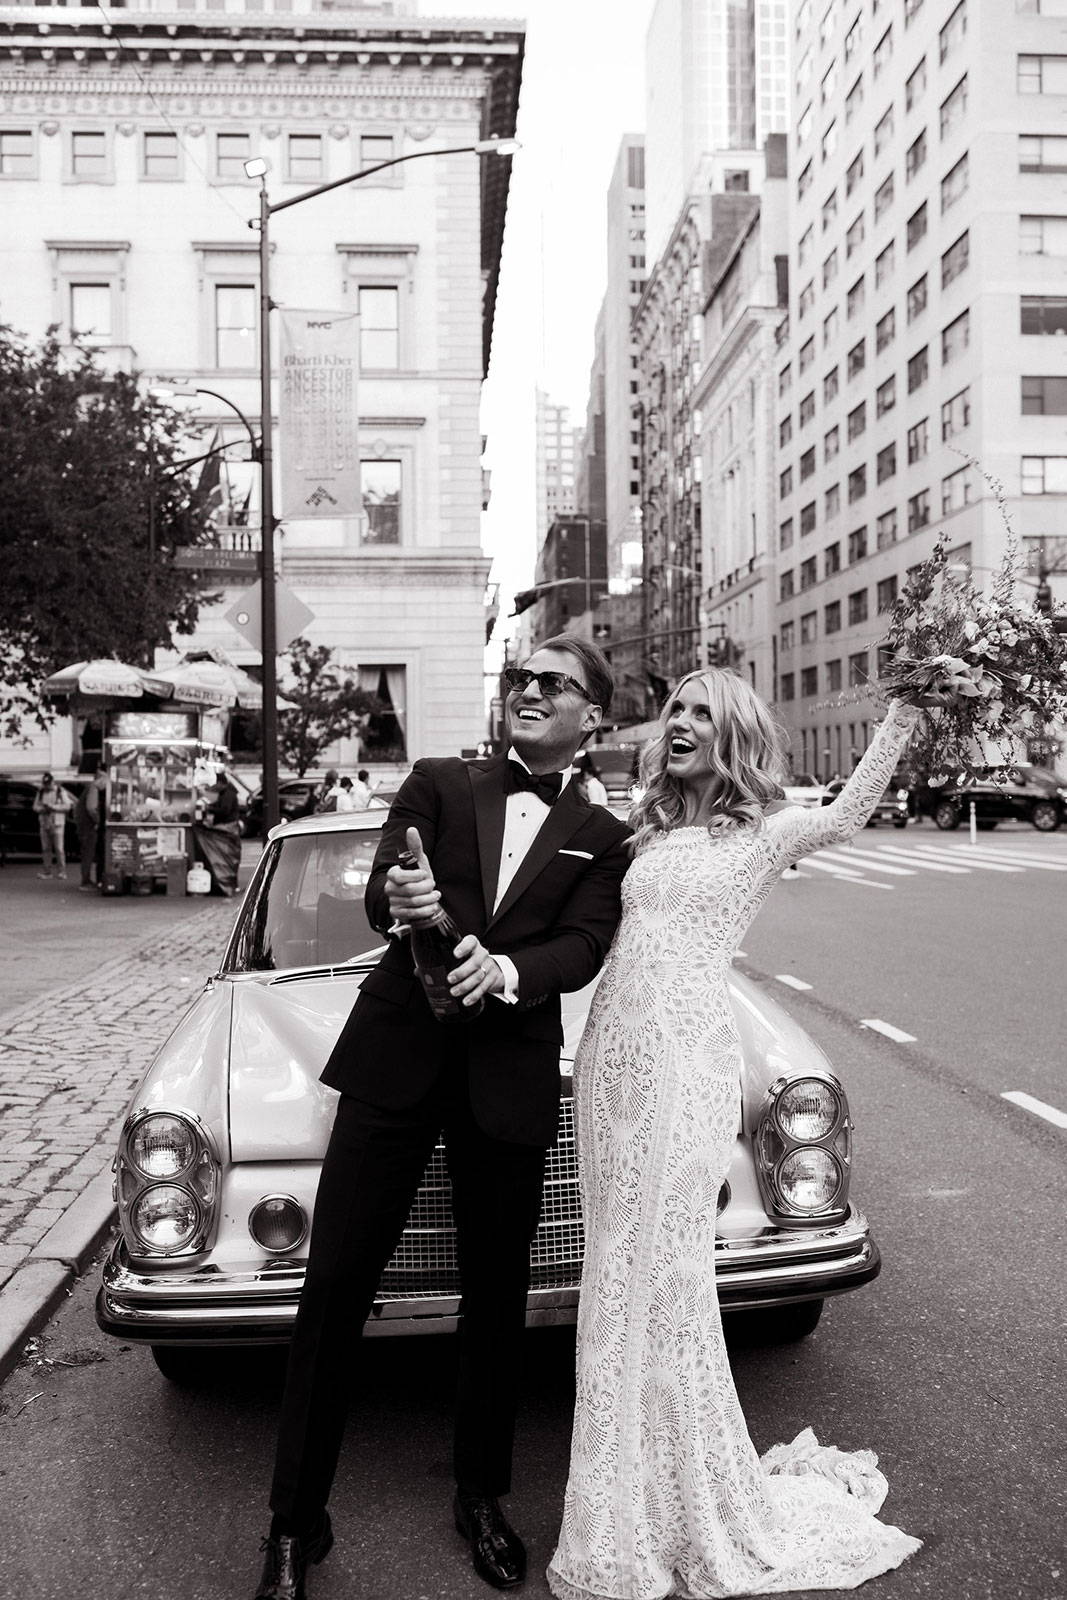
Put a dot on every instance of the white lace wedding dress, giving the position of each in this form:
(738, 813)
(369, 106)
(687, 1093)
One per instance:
(666, 1494)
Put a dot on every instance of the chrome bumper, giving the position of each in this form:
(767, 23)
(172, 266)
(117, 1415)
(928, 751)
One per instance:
(211, 1305)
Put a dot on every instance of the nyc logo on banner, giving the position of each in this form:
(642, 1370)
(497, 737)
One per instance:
(319, 414)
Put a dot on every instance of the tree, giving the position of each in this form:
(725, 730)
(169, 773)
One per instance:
(93, 500)
(326, 706)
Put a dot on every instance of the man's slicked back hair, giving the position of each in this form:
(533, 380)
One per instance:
(597, 672)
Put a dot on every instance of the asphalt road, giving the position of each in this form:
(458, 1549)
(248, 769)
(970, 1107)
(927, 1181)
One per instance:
(949, 1365)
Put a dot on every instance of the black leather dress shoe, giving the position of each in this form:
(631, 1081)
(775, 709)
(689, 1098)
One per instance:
(286, 1560)
(498, 1553)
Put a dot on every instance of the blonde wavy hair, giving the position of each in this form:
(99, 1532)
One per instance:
(746, 760)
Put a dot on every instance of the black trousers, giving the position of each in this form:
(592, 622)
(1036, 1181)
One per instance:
(373, 1166)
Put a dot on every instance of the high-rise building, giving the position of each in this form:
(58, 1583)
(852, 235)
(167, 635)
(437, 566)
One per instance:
(555, 443)
(716, 80)
(920, 380)
(625, 281)
(123, 138)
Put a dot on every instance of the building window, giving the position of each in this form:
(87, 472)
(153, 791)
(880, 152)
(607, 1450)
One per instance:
(917, 298)
(885, 330)
(1043, 314)
(1044, 474)
(236, 339)
(17, 159)
(854, 99)
(857, 358)
(829, 386)
(952, 34)
(886, 594)
(807, 408)
(853, 174)
(883, 198)
(955, 338)
(857, 484)
(383, 738)
(833, 676)
(885, 396)
(956, 490)
(954, 183)
(831, 617)
(807, 525)
(886, 529)
(785, 430)
(807, 464)
(853, 38)
(91, 312)
(807, 354)
(785, 483)
(160, 155)
(832, 559)
(787, 635)
(857, 545)
(915, 87)
(918, 369)
(956, 413)
(1043, 236)
(1045, 152)
(804, 180)
(886, 463)
(788, 680)
(89, 156)
(232, 150)
(828, 84)
(854, 237)
(785, 379)
(304, 157)
(955, 259)
(831, 443)
(785, 534)
(785, 585)
(883, 51)
(828, 143)
(379, 327)
(915, 156)
(857, 607)
(953, 107)
(883, 132)
(857, 669)
(381, 492)
(855, 298)
(808, 580)
(1042, 397)
(918, 441)
(857, 420)
(809, 681)
(916, 228)
(832, 502)
(829, 209)
(374, 148)
(829, 269)
(919, 510)
(883, 264)
(804, 246)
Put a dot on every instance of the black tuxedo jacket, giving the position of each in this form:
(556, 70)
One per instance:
(555, 922)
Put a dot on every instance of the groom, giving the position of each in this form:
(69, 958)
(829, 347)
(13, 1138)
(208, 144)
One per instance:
(531, 873)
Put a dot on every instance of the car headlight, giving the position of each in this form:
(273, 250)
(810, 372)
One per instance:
(165, 1218)
(162, 1146)
(277, 1223)
(807, 1110)
(809, 1178)
(803, 1148)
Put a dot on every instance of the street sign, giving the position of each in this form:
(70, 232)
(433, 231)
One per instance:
(220, 563)
(291, 616)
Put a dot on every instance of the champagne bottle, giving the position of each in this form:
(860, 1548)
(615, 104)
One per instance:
(433, 945)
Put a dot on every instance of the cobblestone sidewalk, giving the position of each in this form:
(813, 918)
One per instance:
(68, 1065)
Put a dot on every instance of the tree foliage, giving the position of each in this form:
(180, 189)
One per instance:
(93, 501)
(326, 706)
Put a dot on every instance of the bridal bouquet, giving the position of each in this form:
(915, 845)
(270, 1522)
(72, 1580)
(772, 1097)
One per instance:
(993, 666)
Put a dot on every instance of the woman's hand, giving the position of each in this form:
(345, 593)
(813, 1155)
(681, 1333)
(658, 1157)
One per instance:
(477, 974)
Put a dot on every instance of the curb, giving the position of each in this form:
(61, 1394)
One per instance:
(37, 1288)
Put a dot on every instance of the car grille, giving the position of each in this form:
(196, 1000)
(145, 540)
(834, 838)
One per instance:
(424, 1262)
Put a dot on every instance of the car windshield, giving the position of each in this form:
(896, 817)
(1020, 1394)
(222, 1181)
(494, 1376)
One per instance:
(306, 909)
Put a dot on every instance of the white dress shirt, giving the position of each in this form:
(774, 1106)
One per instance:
(524, 816)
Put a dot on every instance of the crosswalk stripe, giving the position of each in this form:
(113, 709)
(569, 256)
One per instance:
(869, 862)
(825, 866)
(1022, 858)
(929, 866)
(938, 853)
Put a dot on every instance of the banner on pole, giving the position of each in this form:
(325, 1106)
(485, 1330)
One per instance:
(319, 414)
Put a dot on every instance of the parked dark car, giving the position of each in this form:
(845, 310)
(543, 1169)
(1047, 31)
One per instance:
(617, 770)
(1018, 793)
(20, 833)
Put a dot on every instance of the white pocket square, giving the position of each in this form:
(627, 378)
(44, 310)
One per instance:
(586, 855)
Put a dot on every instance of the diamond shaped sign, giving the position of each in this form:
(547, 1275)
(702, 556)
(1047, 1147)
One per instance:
(290, 613)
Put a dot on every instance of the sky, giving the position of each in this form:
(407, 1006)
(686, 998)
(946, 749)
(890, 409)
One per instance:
(582, 89)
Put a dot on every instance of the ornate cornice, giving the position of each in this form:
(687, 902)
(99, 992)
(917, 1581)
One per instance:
(396, 568)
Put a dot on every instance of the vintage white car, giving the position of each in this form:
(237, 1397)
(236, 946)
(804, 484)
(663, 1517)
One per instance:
(220, 1152)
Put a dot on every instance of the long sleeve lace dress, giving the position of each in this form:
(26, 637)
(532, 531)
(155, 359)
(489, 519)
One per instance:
(666, 1494)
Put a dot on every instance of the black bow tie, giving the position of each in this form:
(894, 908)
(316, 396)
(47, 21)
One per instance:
(547, 788)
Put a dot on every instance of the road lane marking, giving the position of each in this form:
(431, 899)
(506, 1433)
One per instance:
(794, 983)
(869, 862)
(1021, 858)
(878, 1026)
(939, 852)
(927, 866)
(1038, 1107)
(834, 871)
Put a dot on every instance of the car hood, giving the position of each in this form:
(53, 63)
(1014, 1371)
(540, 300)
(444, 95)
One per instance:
(283, 1029)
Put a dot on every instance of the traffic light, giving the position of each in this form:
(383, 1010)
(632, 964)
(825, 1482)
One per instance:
(1043, 600)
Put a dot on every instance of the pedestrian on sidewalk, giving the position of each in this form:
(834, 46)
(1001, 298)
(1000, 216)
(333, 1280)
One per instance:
(52, 803)
(89, 821)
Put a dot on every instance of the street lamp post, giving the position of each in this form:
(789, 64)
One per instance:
(257, 168)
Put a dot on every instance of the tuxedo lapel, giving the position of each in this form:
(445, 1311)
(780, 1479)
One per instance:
(489, 794)
(563, 820)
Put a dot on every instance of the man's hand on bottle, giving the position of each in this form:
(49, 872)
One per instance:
(411, 892)
(477, 974)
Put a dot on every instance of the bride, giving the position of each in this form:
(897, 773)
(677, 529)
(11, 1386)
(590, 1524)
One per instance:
(666, 1494)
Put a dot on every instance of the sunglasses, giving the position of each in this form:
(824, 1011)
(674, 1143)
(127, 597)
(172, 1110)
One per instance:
(549, 684)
